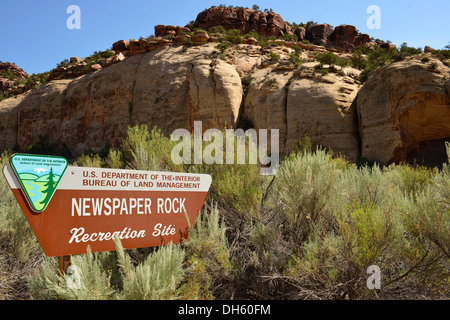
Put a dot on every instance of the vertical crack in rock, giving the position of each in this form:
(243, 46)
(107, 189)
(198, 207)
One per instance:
(133, 91)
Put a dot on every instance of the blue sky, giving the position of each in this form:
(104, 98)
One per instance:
(35, 36)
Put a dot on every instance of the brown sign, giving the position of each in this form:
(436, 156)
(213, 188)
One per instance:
(92, 206)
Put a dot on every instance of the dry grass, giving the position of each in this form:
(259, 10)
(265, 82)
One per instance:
(14, 272)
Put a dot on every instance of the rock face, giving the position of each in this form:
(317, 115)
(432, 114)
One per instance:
(165, 88)
(402, 108)
(305, 104)
(321, 109)
(215, 93)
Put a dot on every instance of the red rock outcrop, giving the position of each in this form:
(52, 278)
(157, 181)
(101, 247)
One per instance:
(428, 49)
(344, 37)
(300, 32)
(9, 75)
(163, 30)
(15, 70)
(362, 39)
(121, 46)
(387, 45)
(319, 33)
(245, 20)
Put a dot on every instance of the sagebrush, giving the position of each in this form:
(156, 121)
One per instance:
(310, 232)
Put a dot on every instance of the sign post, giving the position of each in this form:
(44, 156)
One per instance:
(70, 208)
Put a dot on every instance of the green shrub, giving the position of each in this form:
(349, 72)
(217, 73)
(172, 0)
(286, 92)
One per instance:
(156, 278)
(370, 60)
(297, 49)
(90, 160)
(63, 63)
(208, 255)
(114, 159)
(410, 180)
(270, 82)
(359, 60)
(295, 59)
(148, 150)
(233, 36)
(228, 186)
(7, 74)
(366, 230)
(428, 215)
(441, 54)
(223, 46)
(310, 232)
(89, 280)
(274, 57)
(407, 51)
(328, 58)
(253, 34)
(13, 224)
(217, 29)
(98, 55)
(5, 95)
(305, 183)
(290, 37)
(246, 80)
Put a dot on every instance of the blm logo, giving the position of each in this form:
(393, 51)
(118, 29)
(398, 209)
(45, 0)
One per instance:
(39, 177)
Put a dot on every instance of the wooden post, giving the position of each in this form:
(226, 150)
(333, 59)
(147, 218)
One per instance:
(64, 263)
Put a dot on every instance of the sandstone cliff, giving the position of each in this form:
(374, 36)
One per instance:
(171, 88)
(403, 106)
(174, 79)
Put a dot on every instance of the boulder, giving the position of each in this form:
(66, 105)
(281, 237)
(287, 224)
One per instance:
(301, 33)
(76, 60)
(388, 46)
(5, 84)
(138, 46)
(250, 40)
(160, 30)
(319, 33)
(182, 38)
(362, 40)
(96, 67)
(428, 49)
(182, 30)
(343, 37)
(200, 37)
(121, 46)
